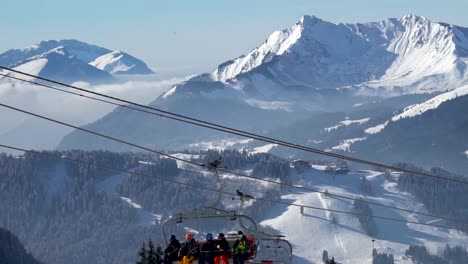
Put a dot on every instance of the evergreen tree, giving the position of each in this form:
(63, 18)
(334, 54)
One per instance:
(325, 256)
(152, 257)
(143, 255)
(159, 253)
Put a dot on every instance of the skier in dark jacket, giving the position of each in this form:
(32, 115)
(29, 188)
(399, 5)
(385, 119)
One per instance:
(172, 250)
(189, 250)
(223, 250)
(208, 250)
(241, 248)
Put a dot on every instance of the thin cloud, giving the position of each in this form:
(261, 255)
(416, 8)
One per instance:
(71, 108)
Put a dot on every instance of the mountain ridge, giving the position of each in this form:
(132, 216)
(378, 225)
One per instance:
(118, 62)
(279, 85)
(77, 58)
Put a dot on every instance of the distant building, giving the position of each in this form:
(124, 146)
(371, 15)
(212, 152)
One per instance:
(300, 164)
(337, 168)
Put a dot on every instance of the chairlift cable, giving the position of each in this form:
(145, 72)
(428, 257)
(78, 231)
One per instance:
(214, 126)
(328, 193)
(204, 166)
(214, 190)
(99, 134)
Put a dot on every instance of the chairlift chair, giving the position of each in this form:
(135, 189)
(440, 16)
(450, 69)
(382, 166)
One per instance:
(264, 247)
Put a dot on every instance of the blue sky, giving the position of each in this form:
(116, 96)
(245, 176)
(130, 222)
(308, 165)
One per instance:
(193, 34)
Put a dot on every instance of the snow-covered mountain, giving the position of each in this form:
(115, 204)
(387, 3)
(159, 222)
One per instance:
(306, 64)
(411, 53)
(118, 62)
(59, 65)
(82, 51)
(424, 130)
(286, 86)
(72, 60)
(433, 103)
(432, 133)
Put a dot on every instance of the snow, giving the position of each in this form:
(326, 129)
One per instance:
(278, 43)
(347, 122)
(431, 104)
(346, 144)
(264, 149)
(376, 129)
(111, 62)
(220, 144)
(109, 186)
(186, 156)
(329, 129)
(426, 54)
(170, 92)
(466, 153)
(181, 164)
(33, 67)
(359, 122)
(118, 62)
(319, 167)
(145, 162)
(270, 105)
(341, 235)
(64, 55)
(315, 230)
(314, 141)
(145, 217)
(410, 54)
(192, 231)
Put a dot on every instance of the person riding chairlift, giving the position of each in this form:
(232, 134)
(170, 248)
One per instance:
(223, 254)
(241, 248)
(208, 250)
(189, 251)
(172, 250)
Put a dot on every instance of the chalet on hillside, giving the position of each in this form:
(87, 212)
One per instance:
(337, 168)
(300, 164)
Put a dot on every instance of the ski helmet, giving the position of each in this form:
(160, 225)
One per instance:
(188, 236)
(209, 236)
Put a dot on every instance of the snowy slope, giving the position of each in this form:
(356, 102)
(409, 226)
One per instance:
(428, 54)
(434, 103)
(347, 122)
(417, 109)
(429, 134)
(376, 129)
(79, 61)
(313, 66)
(316, 64)
(109, 186)
(118, 62)
(83, 51)
(33, 67)
(59, 65)
(341, 235)
(409, 52)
